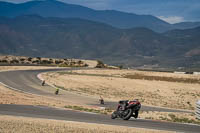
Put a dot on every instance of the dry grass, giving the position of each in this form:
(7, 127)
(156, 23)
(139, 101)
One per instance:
(10, 124)
(111, 84)
(123, 72)
(163, 78)
(172, 117)
(153, 115)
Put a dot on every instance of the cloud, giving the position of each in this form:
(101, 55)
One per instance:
(172, 19)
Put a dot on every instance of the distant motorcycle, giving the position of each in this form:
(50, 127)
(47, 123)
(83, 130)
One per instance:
(43, 82)
(57, 91)
(127, 109)
(101, 100)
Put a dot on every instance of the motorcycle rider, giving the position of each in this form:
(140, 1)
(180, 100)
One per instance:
(101, 100)
(127, 109)
(43, 82)
(57, 91)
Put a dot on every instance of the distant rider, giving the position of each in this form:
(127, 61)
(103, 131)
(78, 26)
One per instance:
(43, 82)
(57, 91)
(101, 100)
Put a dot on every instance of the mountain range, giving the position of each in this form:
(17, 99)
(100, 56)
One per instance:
(53, 8)
(33, 35)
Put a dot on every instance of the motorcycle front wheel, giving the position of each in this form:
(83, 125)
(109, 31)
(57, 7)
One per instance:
(127, 114)
(136, 114)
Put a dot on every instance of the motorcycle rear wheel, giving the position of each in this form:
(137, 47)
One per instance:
(114, 115)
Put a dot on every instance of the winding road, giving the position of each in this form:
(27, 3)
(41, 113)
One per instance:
(27, 81)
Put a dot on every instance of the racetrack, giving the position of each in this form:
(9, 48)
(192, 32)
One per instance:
(69, 115)
(27, 81)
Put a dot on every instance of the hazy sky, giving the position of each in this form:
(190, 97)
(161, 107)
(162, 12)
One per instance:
(172, 11)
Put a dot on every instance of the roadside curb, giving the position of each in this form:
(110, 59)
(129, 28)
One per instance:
(39, 76)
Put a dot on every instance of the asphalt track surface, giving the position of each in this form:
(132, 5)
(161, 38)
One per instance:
(27, 81)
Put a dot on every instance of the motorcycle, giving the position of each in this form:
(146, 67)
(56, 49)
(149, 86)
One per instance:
(43, 82)
(127, 109)
(101, 100)
(57, 91)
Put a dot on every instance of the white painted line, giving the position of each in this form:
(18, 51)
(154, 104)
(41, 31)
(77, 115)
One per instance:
(192, 124)
(12, 88)
(9, 87)
(39, 76)
(89, 113)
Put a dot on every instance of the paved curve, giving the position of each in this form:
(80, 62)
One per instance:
(27, 81)
(69, 115)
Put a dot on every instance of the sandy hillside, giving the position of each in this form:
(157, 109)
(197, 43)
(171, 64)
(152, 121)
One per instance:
(112, 84)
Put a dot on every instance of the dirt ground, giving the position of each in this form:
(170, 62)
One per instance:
(11, 124)
(111, 84)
